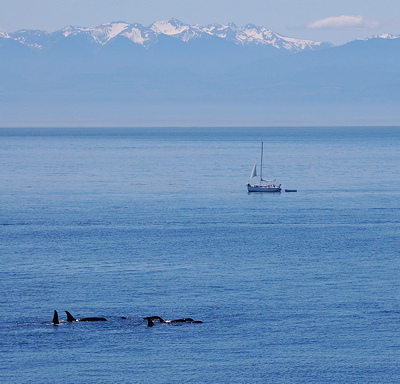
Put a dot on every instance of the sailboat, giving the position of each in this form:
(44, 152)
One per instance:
(263, 185)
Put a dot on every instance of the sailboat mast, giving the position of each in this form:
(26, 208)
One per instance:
(261, 161)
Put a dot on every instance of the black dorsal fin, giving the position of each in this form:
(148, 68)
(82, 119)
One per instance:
(149, 321)
(55, 318)
(70, 318)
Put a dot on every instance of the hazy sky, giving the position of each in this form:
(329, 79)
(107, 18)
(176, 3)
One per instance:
(336, 21)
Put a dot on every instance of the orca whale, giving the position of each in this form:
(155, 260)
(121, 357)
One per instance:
(150, 322)
(186, 320)
(150, 319)
(71, 318)
(55, 318)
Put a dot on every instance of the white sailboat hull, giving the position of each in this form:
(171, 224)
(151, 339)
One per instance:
(263, 188)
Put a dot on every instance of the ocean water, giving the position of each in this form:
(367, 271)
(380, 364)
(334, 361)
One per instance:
(291, 287)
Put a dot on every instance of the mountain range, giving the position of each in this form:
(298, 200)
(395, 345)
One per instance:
(147, 36)
(171, 73)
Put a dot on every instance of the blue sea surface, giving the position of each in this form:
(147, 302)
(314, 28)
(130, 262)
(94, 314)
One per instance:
(291, 287)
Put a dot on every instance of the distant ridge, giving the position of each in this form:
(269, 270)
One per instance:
(147, 36)
(172, 73)
(387, 36)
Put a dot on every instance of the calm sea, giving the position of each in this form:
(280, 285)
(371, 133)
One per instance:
(291, 287)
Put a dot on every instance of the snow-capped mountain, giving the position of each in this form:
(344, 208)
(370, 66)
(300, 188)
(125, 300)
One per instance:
(149, 35)
(122, 72)
(387, 36)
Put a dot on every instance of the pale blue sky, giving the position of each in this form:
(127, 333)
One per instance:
(336, 21)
